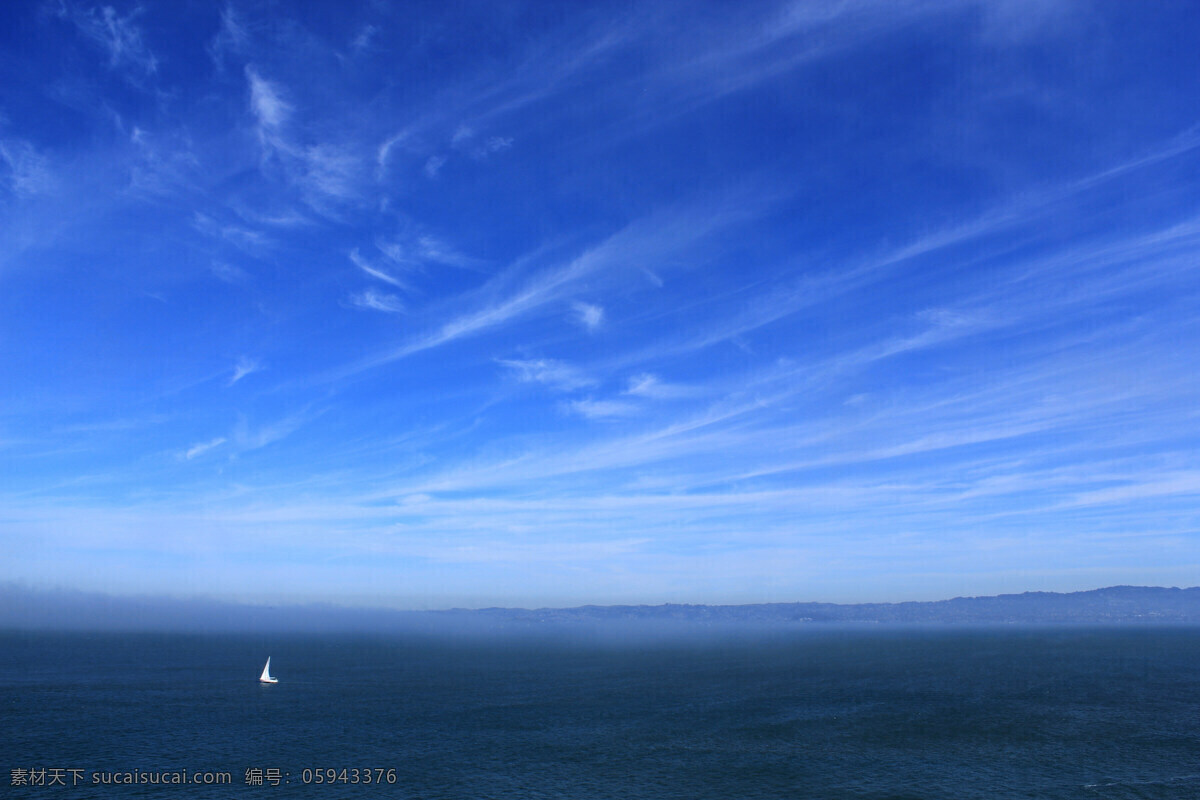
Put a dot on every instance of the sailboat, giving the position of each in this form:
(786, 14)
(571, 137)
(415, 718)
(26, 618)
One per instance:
(266, 674)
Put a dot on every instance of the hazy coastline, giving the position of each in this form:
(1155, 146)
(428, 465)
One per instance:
(24, 608)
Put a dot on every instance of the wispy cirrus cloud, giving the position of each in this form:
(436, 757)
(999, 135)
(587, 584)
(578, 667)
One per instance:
(589, 315)
(555, 374)
(247, 437)
(430, 248)
(377, 301)
(228, 273)
(165, 164)
(413, 249)
(601, 409)
(203, 447)
(364, 38)
(233, 37)
(384, 151)
(25, 171)
(240, 236)
(654, 388)
(326, 173)
(245, 366)
(465, 140)
(375, 271)
(509, 296)
(332, 171)
(1057, 392)
(433, 166)
(118, 36)
(688, 69)
(268, 106)
(1020, 290)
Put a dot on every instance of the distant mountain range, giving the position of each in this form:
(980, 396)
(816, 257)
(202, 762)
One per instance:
(25, 608)
(1115, 604)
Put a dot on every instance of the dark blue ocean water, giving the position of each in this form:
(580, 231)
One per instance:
(815, 713)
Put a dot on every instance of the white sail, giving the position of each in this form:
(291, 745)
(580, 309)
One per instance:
(266, 673)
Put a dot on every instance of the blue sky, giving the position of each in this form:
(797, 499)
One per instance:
(430, 305)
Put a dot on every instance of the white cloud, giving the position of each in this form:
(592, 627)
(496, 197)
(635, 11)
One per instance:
(947, 318)
(204, 447)
(494, 144)
(233, 37)
(555, 374)
(279, 218)
(331, 171)
(643, 385)
(649, 386)
(323, 171)
(653, 278)
(659, 236)
(602, 409)
(588, 315)
(464, 135)
(363, 40)
(378, 301)
(385, 150)
(166, 164)
(28, 173)
(228, 272)
(266, 102)
(397, 252)
(246, 439)
(434, 165)
(1183, 483)
(116, 35)
(437, 251)
(410, 250)
(243, 238)
(374, 271)
(244, 367)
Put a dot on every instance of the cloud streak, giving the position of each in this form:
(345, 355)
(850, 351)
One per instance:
(202, 448)
(554, 374)
(268, 105)
(589, 315)
(376, 272)
(119, 37)
(377, 301)
(498, 302)
(244, 367)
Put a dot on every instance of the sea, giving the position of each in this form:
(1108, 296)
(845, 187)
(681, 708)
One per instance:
(806, 712)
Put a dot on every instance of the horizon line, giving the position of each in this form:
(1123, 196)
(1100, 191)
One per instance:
(13, 587)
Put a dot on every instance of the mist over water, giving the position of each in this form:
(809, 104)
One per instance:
(819, 712)
(45, 609)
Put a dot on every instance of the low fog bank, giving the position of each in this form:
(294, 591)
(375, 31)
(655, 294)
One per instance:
(23, 608)
(56, 609)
